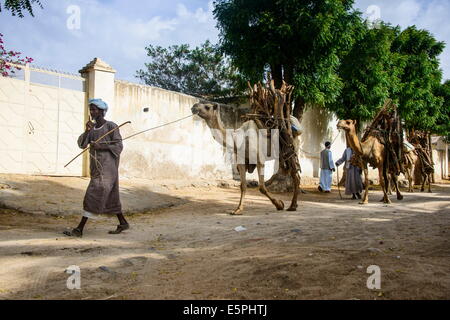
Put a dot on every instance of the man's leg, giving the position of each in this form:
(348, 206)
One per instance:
(78, 231)
(123, 225)
(321, 186)
(121, 218)
(329, 179)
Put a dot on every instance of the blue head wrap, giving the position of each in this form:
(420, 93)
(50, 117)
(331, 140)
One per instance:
(99, 103)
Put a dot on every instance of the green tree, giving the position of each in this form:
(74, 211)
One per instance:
(202, 72)
(17, 7)
(443, 122)
(386, 63)
(420, 77)
(370, 73)
(299, 41)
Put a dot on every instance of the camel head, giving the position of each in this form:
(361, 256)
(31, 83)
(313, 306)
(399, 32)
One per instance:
(206, 111)
(347, 125)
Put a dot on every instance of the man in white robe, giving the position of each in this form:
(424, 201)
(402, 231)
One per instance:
(326, 169)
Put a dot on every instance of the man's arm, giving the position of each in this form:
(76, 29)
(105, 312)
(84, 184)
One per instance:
(83, 140)
(341, 160)
(115, 145)
(330, 160)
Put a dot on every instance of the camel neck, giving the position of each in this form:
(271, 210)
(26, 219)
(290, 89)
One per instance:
(354, 142)
(216, 124)
(217, 129)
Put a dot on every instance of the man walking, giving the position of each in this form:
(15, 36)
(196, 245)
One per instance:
(102, 195)
(326, 169)
(353, 181)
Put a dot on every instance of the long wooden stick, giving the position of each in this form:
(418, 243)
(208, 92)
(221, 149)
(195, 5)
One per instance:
(110, 131)
(339, 188)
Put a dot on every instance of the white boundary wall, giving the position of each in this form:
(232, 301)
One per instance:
(41, 121)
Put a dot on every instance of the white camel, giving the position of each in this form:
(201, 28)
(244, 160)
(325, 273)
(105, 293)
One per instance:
(246, 146)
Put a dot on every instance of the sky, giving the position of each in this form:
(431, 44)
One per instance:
(67, 34)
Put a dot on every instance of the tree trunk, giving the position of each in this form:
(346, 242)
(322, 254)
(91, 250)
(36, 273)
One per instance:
(430, 148)
(299, 108)
(277, 75)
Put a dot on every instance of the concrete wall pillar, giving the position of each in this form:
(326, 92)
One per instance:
(100, 78)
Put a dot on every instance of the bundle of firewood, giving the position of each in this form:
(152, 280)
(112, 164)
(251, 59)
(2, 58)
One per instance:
(422, 144)
(271, 109)
(387, 127)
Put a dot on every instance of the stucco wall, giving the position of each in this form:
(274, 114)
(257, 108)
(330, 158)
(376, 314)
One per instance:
(186, 150)
(183, 150)
(43, 116)
(440, 159)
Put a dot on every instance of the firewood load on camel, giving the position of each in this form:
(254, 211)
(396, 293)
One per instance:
(271, 110)
(387, 127)
(424, 165)
(381, 147)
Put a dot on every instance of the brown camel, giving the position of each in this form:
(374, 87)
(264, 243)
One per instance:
(413, 166)
(210, 112)
(371, 151)
(410, 161)
(409, 164)
(424, 165)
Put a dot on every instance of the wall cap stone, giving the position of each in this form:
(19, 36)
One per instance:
(97, 64)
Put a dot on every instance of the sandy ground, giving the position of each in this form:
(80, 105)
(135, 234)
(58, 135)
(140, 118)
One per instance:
(192, 251)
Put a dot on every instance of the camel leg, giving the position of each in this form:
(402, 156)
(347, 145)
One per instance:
(242, 173)
(365, 199)
(424, 180)
(395, 182)
(389, 187)
(409, 176)
(383, 185)
(429, 183)
(262, 188)
(296, 182)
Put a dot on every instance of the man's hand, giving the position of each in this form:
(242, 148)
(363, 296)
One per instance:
(96, 146)
(89, 125)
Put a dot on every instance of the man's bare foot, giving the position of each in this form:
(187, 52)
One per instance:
(120, 228)
(74, 233)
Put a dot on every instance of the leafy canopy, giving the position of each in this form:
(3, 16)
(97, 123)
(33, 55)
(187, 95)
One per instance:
(203, 72)
(370, 73)
(443, 120)
(17, 7)
(299, 41)
(420, 76)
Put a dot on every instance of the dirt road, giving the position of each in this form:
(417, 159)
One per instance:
(192, 251)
